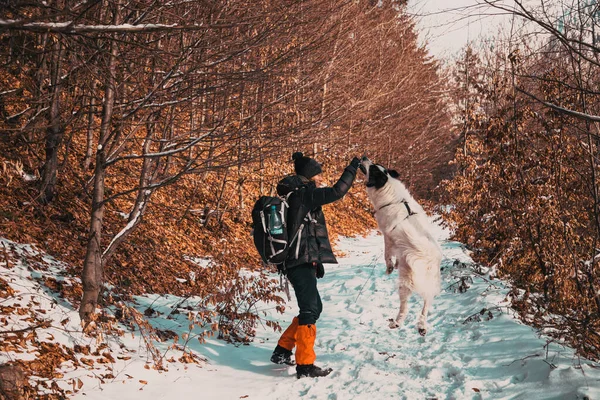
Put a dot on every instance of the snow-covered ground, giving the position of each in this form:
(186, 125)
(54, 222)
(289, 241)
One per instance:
(475, 348)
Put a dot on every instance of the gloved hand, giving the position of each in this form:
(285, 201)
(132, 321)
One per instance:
(355, 163)
(320, 270)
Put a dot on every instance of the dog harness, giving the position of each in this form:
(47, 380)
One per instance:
(410, 212)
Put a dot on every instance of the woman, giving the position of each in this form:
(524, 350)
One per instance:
(306, 257)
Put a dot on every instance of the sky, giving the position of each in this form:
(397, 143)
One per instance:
(448, 25)
(475, 348)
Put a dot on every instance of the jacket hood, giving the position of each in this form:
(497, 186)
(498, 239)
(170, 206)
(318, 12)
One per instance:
(290, 183)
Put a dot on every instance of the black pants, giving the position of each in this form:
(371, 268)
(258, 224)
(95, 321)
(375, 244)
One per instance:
(304, 281)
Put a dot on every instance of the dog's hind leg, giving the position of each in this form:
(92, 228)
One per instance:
(404, 296)
(422, 324)
(388, 255)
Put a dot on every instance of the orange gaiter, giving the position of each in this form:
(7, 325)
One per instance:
(305, 342)
(288, 338)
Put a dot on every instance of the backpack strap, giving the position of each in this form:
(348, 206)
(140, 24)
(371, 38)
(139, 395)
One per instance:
(284, 284)
(273, 240)
(285, 204)
(262, 220)
(297, 238)
(308, 218)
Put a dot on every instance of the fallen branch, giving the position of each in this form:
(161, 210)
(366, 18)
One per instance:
(44, 324)
(522, 359)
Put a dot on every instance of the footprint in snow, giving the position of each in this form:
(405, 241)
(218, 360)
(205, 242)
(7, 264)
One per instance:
(354, 308)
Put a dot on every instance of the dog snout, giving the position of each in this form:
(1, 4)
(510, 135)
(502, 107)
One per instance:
(364, 163)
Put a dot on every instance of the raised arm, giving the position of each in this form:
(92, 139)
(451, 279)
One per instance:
(322, 196)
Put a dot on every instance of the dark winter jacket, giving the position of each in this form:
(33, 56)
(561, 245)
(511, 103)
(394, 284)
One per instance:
(313, 245)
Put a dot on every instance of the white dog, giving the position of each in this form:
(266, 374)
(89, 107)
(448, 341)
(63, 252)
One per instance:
(409, 246)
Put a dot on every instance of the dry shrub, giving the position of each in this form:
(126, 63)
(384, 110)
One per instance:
(522, 198)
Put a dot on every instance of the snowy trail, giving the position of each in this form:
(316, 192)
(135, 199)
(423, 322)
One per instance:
(497, 358)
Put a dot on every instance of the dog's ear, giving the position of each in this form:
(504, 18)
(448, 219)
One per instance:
(393, 173)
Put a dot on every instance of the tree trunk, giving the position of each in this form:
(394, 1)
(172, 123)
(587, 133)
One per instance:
(39, 81)
(93, 270)
(54, 132)
(93, 267)
(90, 129)
(240, 163)
(262, 171)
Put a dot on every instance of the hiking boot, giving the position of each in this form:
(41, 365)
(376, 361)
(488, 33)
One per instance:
(281, 355)
(311, 371)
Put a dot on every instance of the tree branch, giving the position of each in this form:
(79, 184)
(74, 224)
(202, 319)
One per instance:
(68, 27)
(560, 109)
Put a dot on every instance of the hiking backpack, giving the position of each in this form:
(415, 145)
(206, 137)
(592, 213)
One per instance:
(270, 229)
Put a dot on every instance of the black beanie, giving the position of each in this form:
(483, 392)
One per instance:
(306, 166)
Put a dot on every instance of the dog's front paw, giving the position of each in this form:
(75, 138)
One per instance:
(394, 324)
